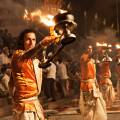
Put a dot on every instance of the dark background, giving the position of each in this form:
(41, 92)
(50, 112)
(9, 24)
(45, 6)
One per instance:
(108, 11)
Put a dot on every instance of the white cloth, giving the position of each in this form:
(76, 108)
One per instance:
(118, 88)
(4, 59)
(62, 71)
(38, 74)
(5, 81)
(30, 115)
(108, 92)
(51, 71)
(92, 108)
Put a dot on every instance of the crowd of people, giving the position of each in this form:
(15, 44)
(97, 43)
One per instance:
(23, 81)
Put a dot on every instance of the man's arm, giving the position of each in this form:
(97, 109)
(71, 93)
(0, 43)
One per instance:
(39, 47)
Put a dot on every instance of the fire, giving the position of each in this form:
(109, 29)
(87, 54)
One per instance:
(26, 15)
(32, 16)
(98, 44)
(117, 46)
(109, 45)
(48, 20)
(36, 16)
(103, 45)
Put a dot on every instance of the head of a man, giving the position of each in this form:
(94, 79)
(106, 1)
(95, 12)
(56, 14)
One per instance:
(27, 39)
(89, 49)
(6, 50)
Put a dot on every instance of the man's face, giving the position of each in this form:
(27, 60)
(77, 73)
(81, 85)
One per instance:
(89, 50)
(29, 41)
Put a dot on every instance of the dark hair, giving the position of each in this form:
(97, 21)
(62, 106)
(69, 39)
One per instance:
(21, 37)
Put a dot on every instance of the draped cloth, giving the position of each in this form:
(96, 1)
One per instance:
(92, 107)
(36, 113)
(107, 91)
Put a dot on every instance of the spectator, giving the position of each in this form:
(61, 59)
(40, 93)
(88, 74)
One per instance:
(63, 77)
(49, 86)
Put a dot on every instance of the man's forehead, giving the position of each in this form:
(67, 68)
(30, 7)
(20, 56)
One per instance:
(90, 47)
(31, 34)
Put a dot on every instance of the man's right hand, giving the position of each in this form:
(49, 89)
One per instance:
(48, 40)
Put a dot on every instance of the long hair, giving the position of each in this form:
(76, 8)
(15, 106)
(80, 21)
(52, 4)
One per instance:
(20, 44)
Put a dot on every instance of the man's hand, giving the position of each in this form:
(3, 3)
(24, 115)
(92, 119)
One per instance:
(48, 40)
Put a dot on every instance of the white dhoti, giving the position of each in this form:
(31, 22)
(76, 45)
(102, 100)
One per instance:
(118, 88)
(36, 114)
(92, 107)
(108, 93)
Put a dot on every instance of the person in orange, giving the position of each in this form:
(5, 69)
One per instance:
(25, 83)
(117, 71)
(105, 83)
(92, 105)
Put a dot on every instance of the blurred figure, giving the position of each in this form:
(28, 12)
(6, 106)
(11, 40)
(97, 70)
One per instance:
(117, 73)
(4, 59)
(63, 77)
(92, 105)
(105, 83)
(5, 79)
(25, 83)
(50, 78)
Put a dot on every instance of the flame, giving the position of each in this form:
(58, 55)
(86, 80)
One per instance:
(104, 44)
(117, 46)
(37, 16)
(48, 20)
(109, 45)
(26, 15)
(98, 44)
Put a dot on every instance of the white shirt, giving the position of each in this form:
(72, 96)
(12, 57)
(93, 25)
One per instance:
(62, 71)
(4, 59)
(51, 71)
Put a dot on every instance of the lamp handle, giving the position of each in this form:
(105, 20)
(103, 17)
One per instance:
(47, 63)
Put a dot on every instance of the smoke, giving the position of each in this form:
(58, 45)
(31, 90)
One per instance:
(11, 16)
(108, 35)
(11, 12)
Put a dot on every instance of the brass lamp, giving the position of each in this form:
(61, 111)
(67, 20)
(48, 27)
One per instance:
(64, 25)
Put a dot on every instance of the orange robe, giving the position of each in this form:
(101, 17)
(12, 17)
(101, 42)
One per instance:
(88, 72)
(104, 72)
(117, 71)
(24, 82)
(105, 83)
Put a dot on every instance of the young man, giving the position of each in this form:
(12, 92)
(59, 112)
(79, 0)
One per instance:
(25, 85)
(106, 86)
(92, 105)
